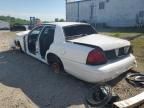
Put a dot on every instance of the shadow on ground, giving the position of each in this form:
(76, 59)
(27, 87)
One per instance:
(43, 87)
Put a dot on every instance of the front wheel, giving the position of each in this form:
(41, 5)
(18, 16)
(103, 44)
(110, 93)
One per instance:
(20, 49)
(18, 45)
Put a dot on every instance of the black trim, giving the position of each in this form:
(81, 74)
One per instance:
(77, 1)
(24, 41)
(87, 45)
(92, 46)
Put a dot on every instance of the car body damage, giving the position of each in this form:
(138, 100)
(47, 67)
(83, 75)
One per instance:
(79, 49)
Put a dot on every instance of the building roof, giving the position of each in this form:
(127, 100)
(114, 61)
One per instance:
(62, 24)
(75, 1)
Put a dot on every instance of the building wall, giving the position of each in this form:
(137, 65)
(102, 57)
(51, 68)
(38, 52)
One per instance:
(78, 11)
(72, 11)
(84, 15)
(116, 13)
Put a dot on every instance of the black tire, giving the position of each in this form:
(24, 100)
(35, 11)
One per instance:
(20, 49)
(19, 46)
(55, 63)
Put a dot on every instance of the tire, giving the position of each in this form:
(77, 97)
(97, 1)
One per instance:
(19, 46)
(55, 64)
(20, 49)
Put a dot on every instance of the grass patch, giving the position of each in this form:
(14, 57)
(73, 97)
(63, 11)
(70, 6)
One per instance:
(138, 45)
(139, 42)
(116, 34)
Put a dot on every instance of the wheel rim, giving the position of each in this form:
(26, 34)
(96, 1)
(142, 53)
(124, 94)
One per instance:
(55, 67)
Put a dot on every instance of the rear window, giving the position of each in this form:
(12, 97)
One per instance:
(77, 31)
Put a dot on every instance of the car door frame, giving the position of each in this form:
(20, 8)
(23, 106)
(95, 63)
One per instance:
(48, 25)
(37, 45)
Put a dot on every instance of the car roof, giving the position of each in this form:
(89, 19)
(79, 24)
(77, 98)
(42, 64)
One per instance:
(63, 24)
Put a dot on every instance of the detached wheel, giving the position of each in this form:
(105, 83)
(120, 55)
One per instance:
(55, 64)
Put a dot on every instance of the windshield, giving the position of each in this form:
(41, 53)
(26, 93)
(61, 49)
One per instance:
(77, 31)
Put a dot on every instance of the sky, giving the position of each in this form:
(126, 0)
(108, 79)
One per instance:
(46, 10)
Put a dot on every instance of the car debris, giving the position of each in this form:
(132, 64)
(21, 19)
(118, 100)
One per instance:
(101, 96)
(136, 79)
(131, 102)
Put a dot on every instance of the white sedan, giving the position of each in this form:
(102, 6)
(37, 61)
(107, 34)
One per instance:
(78, 49)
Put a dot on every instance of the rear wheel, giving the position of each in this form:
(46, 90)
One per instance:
(55, 64)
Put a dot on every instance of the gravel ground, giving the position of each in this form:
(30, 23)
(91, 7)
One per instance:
(28, 83)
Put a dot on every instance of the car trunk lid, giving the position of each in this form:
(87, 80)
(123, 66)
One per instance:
(105, 42)
(113, 47)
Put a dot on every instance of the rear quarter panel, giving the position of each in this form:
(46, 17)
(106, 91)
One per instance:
(76, 53)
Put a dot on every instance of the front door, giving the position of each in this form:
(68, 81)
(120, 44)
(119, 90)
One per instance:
(32, 39)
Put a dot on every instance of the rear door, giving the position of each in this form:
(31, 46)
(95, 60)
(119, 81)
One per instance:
(46, 39)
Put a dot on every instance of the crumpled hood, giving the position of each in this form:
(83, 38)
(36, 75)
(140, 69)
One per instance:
(102, 41)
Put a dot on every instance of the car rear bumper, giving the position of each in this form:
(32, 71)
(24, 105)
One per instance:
(103, 73)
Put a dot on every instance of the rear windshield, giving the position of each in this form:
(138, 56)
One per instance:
(77, 31)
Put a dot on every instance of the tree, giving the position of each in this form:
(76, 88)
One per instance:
(45, 22)
(13, 20)
(61, 20)
(56, 20)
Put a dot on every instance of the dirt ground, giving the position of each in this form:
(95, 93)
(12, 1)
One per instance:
(28, 83)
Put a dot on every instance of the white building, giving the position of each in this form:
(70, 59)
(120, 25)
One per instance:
(4, 25)
(113, 13)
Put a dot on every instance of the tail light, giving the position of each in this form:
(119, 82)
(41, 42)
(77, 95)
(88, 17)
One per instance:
(96, 57)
